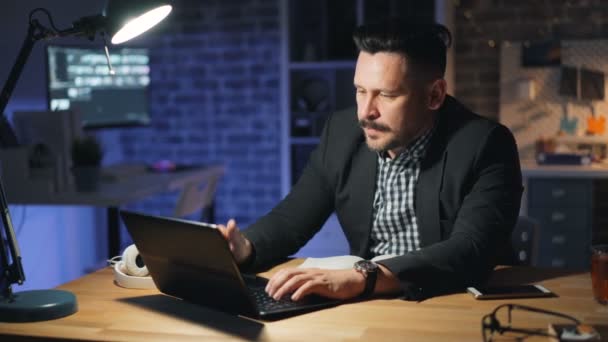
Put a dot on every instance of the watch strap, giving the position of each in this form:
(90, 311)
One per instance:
(370, 284)
(369, 269)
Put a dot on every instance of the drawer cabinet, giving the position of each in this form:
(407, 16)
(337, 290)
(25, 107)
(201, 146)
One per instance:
(560, 192)
(563, 208)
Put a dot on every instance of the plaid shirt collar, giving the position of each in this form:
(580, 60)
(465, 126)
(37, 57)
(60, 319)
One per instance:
(414, 152)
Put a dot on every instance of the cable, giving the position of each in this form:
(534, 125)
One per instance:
(48, 14)
(21, 221)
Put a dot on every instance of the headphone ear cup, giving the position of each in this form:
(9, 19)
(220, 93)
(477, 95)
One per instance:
(133, 262)
(131, 282)
(122, 267)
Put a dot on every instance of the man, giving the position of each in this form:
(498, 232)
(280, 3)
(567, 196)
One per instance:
(414, 174)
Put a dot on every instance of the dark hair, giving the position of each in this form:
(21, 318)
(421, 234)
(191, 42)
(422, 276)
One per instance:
(422, 43)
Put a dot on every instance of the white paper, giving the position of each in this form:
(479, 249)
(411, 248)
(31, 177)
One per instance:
(341, 262)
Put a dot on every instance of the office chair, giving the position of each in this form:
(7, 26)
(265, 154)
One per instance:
(198, 196)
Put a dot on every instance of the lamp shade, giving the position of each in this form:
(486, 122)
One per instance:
(127, 19)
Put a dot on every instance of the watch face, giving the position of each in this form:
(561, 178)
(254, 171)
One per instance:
(366, 265)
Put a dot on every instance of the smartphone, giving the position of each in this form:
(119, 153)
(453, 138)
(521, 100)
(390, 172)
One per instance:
(516, 291)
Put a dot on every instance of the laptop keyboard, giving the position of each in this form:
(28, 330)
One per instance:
(267, 303)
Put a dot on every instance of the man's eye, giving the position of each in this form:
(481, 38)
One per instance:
(388, 95)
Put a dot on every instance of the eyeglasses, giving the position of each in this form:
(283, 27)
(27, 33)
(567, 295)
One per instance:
(491, 327)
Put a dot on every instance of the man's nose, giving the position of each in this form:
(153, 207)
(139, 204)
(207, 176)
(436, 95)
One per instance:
(367, 108)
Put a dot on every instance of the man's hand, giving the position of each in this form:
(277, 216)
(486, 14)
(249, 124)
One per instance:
(339, 284)
(239, 245)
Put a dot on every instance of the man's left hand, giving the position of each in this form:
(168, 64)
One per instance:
(338, 284)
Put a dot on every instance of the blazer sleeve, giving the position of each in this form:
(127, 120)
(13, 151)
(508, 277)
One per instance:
(299, 216)
(484, 221)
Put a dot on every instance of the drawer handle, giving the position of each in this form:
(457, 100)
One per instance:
(558, 193)
(557, 262)
(524, 236)
(558, 239)
(557, 216)
(523, 256)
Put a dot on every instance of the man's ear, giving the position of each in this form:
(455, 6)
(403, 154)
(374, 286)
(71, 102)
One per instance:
(437, 94)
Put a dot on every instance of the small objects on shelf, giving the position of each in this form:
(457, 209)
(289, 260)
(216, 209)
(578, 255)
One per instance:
(559, 151)
(596, 126)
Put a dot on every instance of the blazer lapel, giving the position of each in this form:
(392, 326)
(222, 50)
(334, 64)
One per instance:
(366, 183)
(427, 201)
(429, 186)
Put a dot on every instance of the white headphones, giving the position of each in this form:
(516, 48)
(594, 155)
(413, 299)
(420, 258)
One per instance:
(130, 271)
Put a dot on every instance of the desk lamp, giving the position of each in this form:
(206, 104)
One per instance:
(121, 20)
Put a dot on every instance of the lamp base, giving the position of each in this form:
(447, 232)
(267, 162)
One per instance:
(37, 305)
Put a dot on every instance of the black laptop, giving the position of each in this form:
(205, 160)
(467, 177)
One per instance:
(192, 261)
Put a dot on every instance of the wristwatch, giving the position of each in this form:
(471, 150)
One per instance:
(369, 269)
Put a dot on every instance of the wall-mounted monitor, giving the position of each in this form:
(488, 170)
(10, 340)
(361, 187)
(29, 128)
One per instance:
(592, 85)
(79, 79)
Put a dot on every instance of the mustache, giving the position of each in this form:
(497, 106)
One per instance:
(364, 123)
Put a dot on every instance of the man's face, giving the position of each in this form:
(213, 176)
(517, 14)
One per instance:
(391, 106)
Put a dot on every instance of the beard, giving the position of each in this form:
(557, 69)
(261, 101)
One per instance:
(383, 143)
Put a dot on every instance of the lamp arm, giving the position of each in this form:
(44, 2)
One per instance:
(13, 273)
(34, 34)
(86, 26)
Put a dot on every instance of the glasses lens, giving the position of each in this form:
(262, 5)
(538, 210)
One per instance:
(515, 323)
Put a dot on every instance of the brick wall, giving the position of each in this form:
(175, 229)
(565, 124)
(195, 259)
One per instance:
(482, 25)
(214, 98)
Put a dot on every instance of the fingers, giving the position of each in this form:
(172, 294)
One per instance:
(232, 230)
(340, 284)
(277, 280)
(234, 237)
(289, 280)
(223, 230)
(239, 245)
(304, 290)
(291, 285)
(229, 230)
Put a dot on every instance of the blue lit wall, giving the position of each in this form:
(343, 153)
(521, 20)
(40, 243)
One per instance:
(215, 99)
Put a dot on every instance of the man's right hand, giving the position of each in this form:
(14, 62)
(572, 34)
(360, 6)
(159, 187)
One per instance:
(238, 243)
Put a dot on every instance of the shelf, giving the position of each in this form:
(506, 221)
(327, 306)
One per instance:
(304, 140)
(592, 139)
(322, 65)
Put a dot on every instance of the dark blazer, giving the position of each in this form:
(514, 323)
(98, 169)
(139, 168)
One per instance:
(467, 200)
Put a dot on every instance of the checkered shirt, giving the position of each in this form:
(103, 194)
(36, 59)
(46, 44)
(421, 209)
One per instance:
(394, 228)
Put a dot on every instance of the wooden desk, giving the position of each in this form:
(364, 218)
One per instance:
(120, 185)
(108, 312)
